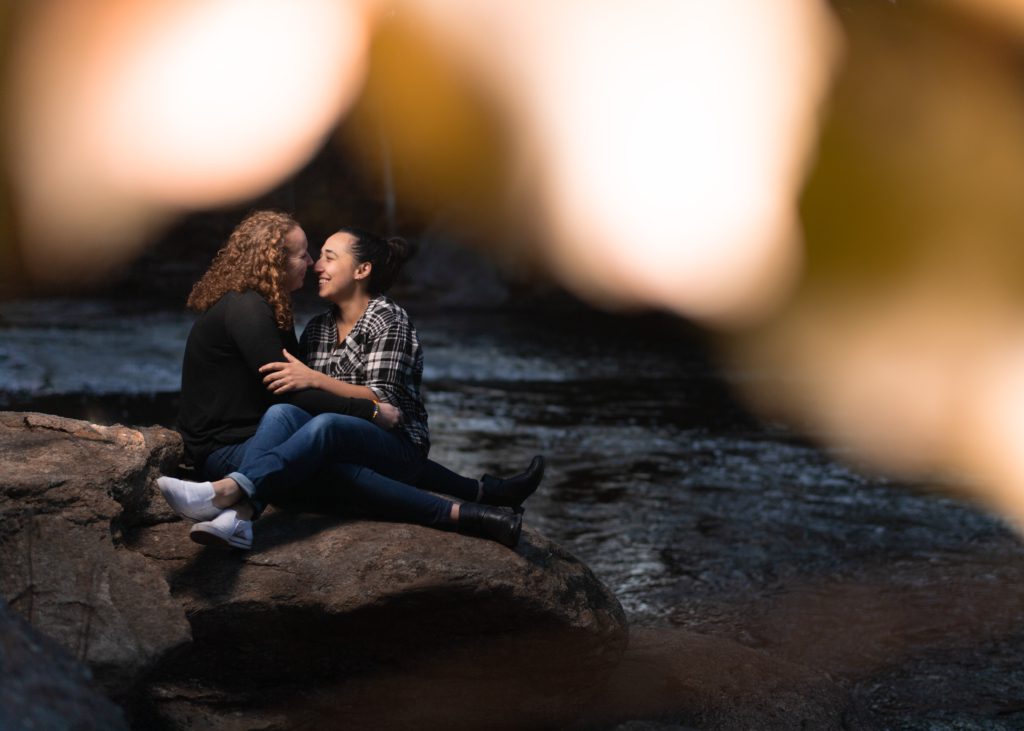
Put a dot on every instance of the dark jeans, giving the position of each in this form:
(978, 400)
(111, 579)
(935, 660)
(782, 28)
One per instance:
(294, 451)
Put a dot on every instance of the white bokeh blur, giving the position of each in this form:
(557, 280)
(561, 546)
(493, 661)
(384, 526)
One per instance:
(669, 139)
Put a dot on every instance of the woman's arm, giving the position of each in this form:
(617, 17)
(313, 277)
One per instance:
(251, 325)
(391, 358)
(292, 374)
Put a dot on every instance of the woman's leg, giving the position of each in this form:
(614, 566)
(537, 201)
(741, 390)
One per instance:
(228, 466)
(509, 491)
(277, 425)
(323, 440)
(225, 485)
(290, 445)
(223, 461)
(438, 478)
(385, 499)
(376, 496)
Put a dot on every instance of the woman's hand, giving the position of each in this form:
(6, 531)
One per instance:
(388, 416)
(291, 375)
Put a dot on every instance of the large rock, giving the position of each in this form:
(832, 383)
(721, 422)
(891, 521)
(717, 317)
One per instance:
(43, 689)
(326, 615)
(323, 598)
(84, 472)
(64, 485)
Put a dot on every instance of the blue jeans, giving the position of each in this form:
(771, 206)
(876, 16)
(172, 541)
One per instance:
(337, 452)
(358, 488)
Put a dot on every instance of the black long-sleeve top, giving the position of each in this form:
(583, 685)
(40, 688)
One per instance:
(222, 391)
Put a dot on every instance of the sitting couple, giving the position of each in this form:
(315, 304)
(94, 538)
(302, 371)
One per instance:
(345, 419)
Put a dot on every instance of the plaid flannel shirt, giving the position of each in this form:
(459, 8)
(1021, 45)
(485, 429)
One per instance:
(382, 353)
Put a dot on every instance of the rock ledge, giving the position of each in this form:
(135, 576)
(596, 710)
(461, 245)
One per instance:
(187, 636)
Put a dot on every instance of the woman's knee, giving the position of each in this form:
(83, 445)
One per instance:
(333, 424)
(286, 413)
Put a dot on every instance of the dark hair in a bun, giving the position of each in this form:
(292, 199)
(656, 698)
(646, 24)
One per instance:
(386, 255)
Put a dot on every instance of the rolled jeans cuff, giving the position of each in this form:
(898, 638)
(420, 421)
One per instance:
(250, 490)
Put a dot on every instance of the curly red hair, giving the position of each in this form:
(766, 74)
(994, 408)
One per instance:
(253, 258)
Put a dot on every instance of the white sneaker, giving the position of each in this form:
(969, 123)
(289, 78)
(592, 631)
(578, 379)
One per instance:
(192, 500)
(227, 530)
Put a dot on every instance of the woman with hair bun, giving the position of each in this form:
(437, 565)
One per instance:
(365, 346)
(347, 438)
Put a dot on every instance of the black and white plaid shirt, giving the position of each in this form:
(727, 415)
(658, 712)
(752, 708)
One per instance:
(382, 353)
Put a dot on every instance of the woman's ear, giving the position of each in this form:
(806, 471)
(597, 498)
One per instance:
(363, 269)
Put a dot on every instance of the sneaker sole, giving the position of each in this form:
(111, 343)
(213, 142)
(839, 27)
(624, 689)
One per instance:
(206, 537)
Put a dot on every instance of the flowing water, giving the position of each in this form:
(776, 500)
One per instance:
(696, 514)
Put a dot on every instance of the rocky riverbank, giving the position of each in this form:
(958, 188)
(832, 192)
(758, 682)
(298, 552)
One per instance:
(331, 621)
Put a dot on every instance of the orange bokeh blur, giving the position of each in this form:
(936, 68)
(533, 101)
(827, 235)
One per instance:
(126, 113)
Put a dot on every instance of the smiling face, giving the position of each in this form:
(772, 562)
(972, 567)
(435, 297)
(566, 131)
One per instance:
(297, 258)
(338, 274)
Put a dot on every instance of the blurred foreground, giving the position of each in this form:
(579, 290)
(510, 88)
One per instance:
(829, 187)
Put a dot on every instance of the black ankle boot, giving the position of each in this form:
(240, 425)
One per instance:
(511, 491)
(496, 524)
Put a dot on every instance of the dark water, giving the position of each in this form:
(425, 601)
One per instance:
(696, 514)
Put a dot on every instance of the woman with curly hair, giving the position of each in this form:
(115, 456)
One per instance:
(244, 301)
(254, 445)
